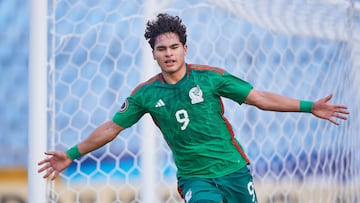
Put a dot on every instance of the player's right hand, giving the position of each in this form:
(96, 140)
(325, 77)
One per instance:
(56, 162)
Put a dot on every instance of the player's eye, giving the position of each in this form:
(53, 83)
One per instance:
(174, 46)
(160, 49)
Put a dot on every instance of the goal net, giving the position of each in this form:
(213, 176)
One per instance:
(304, 49)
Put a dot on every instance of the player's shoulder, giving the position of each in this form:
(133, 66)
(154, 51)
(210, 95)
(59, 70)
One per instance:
(206, 69)
(144, 85)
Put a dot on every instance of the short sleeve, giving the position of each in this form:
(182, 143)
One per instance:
(129, 113)
(232, 87)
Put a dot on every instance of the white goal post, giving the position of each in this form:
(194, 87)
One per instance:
(97, 54)
(38, 106)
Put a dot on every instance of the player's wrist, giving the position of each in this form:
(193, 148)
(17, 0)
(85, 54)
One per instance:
(73, 152)
(306, 106)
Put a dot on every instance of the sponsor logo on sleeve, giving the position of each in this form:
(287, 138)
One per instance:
(124, 106)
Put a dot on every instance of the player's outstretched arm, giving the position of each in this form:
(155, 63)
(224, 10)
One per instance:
(57, 161)
(273, 102)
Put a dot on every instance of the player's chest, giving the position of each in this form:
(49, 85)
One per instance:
(190, 97)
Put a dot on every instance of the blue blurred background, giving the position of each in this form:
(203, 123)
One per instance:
(14, 56)
(14, 52)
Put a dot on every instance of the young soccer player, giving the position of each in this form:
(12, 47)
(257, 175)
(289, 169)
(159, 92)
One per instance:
(184, 101)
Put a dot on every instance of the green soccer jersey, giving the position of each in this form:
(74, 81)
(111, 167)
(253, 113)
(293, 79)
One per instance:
(190, 117)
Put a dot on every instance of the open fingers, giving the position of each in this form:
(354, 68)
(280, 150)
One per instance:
(342, 110)
(56, 173)
(48, 172)
(50, 153)
(339, 113)
(333, 121)
(44, 168)
(327, 98)
(42, 162)
(47, 160)
(340, 116)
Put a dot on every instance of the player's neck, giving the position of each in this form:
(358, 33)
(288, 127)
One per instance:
(174, 77)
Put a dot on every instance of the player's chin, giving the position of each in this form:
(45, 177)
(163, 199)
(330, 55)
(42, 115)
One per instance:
(170, 68)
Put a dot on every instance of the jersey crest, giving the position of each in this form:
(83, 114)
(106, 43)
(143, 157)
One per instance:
(196, 95)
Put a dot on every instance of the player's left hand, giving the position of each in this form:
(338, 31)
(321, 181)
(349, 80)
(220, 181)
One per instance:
(54, 164)
(323, 109)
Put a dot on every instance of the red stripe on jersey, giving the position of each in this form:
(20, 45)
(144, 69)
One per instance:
(151, 80)
(233, 139)
(208, 68)
(180, 190)
(155, 121)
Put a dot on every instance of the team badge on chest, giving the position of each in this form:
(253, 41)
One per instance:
(196, 95)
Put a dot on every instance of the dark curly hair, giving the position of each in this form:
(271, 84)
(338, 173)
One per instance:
(163, 24)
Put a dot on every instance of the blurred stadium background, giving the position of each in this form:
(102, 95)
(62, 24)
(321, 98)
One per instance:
(14, 97)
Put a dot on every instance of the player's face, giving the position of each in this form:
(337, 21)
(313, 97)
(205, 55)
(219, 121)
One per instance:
(169, 53)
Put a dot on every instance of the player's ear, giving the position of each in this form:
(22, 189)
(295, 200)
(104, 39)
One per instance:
(185, 48)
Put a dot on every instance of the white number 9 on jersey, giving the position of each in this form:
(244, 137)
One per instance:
(182, 117)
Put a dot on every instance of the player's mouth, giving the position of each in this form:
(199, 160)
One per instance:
(169, 63)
